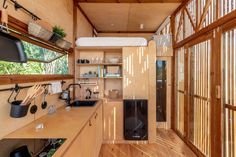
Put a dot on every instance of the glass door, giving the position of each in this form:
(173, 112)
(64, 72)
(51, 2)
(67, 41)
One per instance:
(180, 91)
(199, 85)
(229, 91)
(163, 92)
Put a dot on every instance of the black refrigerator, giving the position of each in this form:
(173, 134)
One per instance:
(136, 119)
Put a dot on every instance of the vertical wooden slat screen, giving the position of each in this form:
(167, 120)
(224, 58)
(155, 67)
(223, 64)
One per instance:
(229, 90)
(189, 30)
(179, 26)
(227, 6)
(165, 30)
(199, 91)
(192, 9)
(180, 91)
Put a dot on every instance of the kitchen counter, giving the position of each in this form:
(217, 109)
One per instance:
(62, 124)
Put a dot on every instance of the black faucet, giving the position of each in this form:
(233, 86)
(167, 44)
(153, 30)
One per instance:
(68, 89)
(90, 93)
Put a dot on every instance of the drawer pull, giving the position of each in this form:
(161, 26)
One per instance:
(96, 115)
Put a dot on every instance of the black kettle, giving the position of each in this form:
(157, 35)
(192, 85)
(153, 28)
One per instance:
(20, 152)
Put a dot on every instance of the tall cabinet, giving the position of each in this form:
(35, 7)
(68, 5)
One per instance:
(135, 72)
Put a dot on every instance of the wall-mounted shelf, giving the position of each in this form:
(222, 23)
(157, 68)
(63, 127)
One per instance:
(99, 64)
(91, 48)
(99, 77)
(102, 71)
(19, 30)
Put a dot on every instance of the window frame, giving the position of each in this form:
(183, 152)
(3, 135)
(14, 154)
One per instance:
(21, 32)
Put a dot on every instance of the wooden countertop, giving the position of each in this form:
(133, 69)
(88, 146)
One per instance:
(62, 124)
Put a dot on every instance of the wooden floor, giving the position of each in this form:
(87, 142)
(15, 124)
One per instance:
(168, 144)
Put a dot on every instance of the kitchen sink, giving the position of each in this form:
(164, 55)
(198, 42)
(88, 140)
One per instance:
(86, 103)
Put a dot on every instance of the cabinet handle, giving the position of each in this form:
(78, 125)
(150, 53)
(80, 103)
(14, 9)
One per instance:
(90, 123)
(96, 115)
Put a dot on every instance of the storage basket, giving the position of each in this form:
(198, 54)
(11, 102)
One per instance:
(39, 31)
(63, 44)
(18, 110)
(113, 94)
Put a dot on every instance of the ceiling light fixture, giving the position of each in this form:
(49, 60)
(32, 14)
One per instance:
(141, 26)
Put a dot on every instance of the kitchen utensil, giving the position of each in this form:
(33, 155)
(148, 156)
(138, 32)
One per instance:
(44, 102)
(20, 152)
(64, 95)
(11, 49)
(32, 93)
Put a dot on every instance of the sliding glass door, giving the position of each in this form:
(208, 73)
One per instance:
(229, 91)
(199, 85)
(180, 90)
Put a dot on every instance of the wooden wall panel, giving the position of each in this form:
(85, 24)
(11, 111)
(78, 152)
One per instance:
(84, 28)
(135, 72)
(55, 12)
(152, 91)
(113, 122)
(13, 123)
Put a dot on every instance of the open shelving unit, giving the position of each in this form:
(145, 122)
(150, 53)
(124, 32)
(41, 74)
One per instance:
(102, 83)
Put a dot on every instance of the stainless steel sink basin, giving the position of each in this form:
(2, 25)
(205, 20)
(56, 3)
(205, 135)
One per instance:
(80, 103)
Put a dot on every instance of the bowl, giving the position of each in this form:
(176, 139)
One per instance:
(114, 60)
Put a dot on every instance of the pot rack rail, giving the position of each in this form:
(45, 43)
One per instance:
(19, 6)
(16, 89)
(26, 36)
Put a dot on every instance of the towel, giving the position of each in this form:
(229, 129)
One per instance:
(55, 88)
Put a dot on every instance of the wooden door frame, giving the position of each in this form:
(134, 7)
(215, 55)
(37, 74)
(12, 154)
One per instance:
(205, 37)
(220, 110)
(167, 124)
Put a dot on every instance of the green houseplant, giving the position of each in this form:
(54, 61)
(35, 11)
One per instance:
(58, 33)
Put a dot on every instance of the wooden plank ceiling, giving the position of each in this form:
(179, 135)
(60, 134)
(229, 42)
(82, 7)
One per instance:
(127, 17)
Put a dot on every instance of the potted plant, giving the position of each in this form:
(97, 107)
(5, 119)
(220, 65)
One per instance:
(58, 33)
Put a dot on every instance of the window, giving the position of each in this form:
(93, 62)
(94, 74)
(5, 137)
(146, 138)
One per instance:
(180, 91)
(227, 6)
(179, 27)
(210, 15)
(40, 61)
(229, 90)
(200, 96)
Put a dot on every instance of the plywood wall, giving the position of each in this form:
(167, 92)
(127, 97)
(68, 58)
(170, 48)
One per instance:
(84, 29)
(55, 12)
(9, 124)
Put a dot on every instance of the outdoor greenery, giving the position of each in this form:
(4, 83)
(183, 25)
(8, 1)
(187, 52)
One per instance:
(59, 66)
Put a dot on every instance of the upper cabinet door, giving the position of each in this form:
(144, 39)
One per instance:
(135, 72)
